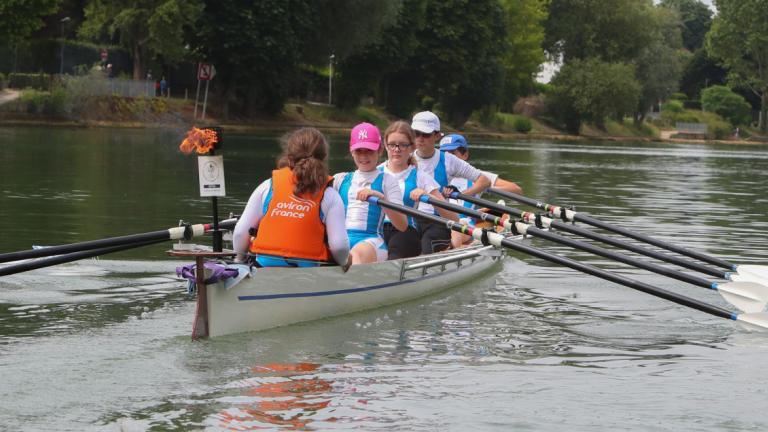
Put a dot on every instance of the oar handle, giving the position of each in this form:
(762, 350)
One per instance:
(499, 240)
(584, 218)
(562, 226)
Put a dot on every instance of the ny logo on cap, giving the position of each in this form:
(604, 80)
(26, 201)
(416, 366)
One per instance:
(362, 134)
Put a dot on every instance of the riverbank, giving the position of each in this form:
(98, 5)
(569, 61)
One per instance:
(331, 120)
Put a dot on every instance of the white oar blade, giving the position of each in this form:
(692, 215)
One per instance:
(747, 296)
(753, 272)
(754, 321)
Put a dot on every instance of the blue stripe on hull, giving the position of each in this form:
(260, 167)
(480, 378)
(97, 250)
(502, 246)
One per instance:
(343, 291)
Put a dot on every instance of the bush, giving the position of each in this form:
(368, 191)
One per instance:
(673, 106)
(39, 81)
(682, 97)
(721, 100)
(2, 81)
(523, 124)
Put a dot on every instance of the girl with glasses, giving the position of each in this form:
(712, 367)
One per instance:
(399, 142)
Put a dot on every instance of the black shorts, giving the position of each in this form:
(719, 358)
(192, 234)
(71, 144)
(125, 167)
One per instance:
(435, 237)
(401, 244)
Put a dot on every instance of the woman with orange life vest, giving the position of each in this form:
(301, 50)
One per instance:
(399, 142)
(364, 220)
(298, 217)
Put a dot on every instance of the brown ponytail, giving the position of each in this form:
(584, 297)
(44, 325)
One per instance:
(404, 128)
(305, 152)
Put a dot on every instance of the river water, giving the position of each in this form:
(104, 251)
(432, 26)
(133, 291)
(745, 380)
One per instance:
(105, 344)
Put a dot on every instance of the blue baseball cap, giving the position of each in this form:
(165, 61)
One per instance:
(452, 142)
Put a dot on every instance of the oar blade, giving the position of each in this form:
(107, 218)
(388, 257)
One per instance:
(752, 272)
(754, 321)
(747, 296)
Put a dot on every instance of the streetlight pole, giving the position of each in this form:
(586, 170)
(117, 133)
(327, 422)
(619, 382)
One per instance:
(61, 66)
(330, 78)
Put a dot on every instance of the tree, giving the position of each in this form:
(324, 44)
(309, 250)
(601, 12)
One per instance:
(722, 101)
(695, 21)
(658, 67)
(145, 28)
(592, 90)
(739, 38)
(524, 55)
(459, 56)
(700, 72)
(19, 18)
(372, 68)
(613, 30)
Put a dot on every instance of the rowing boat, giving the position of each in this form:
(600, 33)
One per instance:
(262, 298)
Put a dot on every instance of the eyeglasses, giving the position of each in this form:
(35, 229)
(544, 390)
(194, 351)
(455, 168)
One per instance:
(423, 134)
(398, 146)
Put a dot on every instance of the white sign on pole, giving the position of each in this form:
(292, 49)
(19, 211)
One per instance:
(211, 173)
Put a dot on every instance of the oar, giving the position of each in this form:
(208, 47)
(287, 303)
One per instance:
(562, 226)
(175, 233)
(567, 214)
(756, 319)
(747, 296)
(72, 256)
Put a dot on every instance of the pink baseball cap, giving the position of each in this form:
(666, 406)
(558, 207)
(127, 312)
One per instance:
(365, 135)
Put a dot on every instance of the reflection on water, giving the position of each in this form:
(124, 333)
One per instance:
(105, 344)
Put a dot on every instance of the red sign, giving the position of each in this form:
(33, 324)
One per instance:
(103, 54)
(205, 71)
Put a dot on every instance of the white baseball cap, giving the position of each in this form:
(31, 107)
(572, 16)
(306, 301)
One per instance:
(426, 122)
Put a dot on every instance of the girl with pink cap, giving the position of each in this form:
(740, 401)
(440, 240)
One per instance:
(364, 220)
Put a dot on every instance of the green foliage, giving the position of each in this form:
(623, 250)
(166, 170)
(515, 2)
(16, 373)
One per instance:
(699, 72)
(591, 90)
(613, 30)
(524, 55)
(717, 127)
(146, 28)
(459, 58)
(39, 81)
(523, 124)
(658, 65)
(672, 106)
(19, 18)
(723, 101)
(43, 102)
(696, 19)
(677, 96)
(739, 38)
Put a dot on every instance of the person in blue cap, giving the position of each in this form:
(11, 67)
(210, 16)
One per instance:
(458, 146)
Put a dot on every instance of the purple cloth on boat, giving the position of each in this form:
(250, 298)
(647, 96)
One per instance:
(219, 272)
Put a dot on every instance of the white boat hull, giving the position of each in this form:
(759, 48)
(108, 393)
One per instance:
(273, 297)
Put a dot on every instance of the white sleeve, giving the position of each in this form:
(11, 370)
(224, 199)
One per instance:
(426, 182)
(456, 167)
(337, 179)
(335, 216)
(250, 218)
(392, 189)
(491, 176)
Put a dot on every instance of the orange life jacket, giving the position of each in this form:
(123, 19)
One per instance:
(291, 226)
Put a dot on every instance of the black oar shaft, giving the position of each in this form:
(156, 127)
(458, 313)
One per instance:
(579, 245)
(621, 280)
(589, 220)
(563, 226)
(586, 268)
(74, 256)
(92, 244)
(153, 236)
